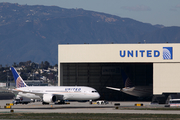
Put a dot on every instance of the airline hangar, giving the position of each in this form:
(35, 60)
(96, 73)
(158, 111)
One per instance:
(100, 65)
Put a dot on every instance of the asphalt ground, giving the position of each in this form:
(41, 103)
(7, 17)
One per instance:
(85, 107)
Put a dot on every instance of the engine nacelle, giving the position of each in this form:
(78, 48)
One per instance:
(48, 98)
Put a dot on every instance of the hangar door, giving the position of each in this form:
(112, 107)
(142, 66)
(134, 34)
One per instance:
(101, 75)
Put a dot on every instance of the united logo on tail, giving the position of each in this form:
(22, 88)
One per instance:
(126, 79)
(18, 80)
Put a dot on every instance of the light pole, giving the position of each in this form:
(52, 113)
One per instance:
(7, 85)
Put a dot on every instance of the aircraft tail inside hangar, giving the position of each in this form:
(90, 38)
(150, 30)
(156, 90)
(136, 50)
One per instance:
(100, 65)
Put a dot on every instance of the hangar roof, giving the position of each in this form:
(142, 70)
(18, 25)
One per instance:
(99, 53)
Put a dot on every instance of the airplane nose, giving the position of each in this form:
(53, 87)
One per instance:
(98, 96)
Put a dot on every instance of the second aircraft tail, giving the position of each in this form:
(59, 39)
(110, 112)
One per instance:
(126, 79)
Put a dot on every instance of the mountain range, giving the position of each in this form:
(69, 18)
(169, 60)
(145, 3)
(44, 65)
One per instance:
(34, 32)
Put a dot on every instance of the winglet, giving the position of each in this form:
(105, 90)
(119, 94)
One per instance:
(18, 80)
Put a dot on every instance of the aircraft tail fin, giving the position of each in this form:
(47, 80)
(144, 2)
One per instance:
(18, 80)
(126, 79)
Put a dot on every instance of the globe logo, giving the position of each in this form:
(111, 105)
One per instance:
(167, 53)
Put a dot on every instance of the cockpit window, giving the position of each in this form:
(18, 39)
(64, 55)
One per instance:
(94, 91)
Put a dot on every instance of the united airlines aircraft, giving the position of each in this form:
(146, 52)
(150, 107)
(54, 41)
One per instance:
(138, 91)
(52, 94)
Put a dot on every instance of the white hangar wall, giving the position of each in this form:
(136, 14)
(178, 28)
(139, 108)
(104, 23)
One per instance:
(165, 58)
(166, 78)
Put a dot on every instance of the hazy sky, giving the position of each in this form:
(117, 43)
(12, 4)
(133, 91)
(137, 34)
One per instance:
(164, 12)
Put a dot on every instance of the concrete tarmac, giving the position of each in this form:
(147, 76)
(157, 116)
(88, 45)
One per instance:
(85, 107)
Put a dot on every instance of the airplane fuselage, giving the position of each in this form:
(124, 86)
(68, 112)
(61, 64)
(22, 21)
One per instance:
(67, 92)
(138, 91)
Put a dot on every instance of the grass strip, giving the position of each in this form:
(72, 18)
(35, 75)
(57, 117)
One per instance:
(86, 116)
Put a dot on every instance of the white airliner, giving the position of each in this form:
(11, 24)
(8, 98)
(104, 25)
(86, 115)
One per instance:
(138, 91)
(51, 94)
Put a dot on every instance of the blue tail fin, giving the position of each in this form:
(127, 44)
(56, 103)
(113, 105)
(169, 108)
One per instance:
(18, 80)
(126, 79)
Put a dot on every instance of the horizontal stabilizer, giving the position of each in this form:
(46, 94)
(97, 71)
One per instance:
(118, 89)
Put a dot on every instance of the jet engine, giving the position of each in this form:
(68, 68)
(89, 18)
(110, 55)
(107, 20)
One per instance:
(49, 98)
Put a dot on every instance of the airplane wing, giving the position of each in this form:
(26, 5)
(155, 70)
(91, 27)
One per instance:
(118, 89)
(58, 96)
